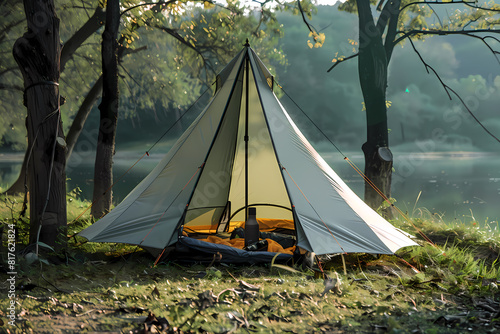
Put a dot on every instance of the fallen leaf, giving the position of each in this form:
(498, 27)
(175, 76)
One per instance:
(332, 283)
(154, 324)
(248, 286)
(206, 299)
(77, 307)
(155, 292)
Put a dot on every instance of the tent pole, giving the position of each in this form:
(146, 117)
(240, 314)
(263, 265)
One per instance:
(247, 70)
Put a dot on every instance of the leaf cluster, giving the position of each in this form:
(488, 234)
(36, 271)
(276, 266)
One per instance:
(172, 49)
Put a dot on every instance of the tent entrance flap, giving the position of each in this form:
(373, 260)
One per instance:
(241, 166)
(256, 175)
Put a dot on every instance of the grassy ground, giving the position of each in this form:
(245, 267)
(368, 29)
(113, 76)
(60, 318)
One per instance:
(449, 287)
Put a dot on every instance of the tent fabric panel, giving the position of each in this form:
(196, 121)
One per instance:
(167, 189)
(265, 182)
(320, 197)
(102, 224)
(227, 70)
(213, 185)
(203, 219)
(262, 69)
(358, 237)
(348, 209)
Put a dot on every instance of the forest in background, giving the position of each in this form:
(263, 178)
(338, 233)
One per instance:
(158, 86)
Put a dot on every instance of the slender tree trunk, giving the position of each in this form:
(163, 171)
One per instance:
(103, 170)
(37, 54)
(83, 112)
(372, 65)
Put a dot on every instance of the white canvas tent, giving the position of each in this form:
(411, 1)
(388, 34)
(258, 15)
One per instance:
(244, 150)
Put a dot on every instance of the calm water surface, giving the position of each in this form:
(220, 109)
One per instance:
(457, 185)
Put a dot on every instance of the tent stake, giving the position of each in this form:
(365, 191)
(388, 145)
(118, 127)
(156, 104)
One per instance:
(343, 262)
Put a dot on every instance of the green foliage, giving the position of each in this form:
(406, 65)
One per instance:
(11, 86)
(172, 52)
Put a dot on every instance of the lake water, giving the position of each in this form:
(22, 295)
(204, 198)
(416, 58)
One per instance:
(457, 185)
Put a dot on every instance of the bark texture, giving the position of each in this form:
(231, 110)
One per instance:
(67, 51)
(372, 66)
(37, 54)
(103, 168)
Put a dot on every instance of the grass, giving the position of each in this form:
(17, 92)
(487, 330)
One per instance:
(448, 287)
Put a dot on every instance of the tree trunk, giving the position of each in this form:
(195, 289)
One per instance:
(372, 65)
(67, 51)
(37, 54)
(103, 170)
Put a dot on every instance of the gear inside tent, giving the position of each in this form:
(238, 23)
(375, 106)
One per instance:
(245, 152)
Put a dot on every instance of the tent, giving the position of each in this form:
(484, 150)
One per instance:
(245, 151)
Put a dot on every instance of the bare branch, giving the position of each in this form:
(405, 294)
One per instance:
(449, 90)
(385, 15)
(262, 3)
(309, 26)
(475, 6)
(470, 21)
(469, 33)
(469, 3)
(160, 3)
(342, 60)
(131, 77)
(434, 12)
(472, 4)
(79, 37)
(393, 9)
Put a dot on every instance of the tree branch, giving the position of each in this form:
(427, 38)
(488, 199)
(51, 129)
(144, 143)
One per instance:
(469, 33)
(449, 90)
(393, 8)
(434, 12)
(342, 60)
(128, 51)
(159, 3)
(11, 87)
(438, 3)
(309, 26)
(384, 17)
(81, 116)
(90, 27)
(178, 37)
(468, 3)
